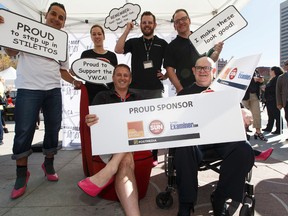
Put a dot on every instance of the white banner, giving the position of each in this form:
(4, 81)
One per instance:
(167, 122)
(70, 116)
(236, 76)
(33, 37)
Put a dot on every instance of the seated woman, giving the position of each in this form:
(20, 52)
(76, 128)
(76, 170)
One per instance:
(119, 167)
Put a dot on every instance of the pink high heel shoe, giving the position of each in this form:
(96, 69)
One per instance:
(50, 177)
(264, 155)
(91, 189)
(19, 192)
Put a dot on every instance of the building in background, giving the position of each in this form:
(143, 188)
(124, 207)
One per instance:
(283, 31)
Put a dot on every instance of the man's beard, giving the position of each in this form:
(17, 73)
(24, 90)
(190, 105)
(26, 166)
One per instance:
(148, 33)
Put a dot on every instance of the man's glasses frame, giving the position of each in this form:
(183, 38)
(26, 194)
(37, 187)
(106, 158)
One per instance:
(183, 19)
(205, 68)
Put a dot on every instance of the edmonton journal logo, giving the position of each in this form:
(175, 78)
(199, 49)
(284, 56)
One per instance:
(135, 129)
(156, 127)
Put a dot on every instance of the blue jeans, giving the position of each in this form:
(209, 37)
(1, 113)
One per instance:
(27, 108)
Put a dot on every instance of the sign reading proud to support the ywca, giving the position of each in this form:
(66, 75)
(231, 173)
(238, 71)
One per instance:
(27, 35)
(167, 122)
(93, 70)
(219, 28)
(236, 76)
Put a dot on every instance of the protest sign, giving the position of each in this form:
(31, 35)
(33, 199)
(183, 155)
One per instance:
(93, 70)
(236, 76)
(27, 35)
(219, 28)
(118, 18)
(167, 122)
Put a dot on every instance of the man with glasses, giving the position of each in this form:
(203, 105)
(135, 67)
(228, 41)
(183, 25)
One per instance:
(181, 55)
(282, 91)
(147, 54)
(238, 158)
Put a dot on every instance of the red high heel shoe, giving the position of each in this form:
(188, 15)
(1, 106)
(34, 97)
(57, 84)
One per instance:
(50, 177)
(264, 155)
(91, 189)
(19, 192)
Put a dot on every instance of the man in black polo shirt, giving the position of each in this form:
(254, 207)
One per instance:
(146, 61)
(181, 55)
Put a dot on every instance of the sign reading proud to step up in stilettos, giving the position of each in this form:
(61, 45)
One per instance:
(167, 122)
(225, 24)
(27, 35)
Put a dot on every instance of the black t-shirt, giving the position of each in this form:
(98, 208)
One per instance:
(193, 89)
(145, 78)
(182, 55)
(93, 88)
(111, 96)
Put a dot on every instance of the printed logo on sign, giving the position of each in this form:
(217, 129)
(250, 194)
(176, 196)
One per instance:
(135, 129)
(233, 73)
(156, 127)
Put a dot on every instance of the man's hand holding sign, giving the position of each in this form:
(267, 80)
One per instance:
(23, 34)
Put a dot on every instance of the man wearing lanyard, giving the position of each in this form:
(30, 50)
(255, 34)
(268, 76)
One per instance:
(146, 61)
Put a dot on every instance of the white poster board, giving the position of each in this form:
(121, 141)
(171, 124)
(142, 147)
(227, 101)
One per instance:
(225, 24)
(160, 123)
(93, 70)
(27, 35)
(118, 18)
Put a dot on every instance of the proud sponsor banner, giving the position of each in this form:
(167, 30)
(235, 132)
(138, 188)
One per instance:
(27, 35)
(221, 27)
(196, 119)
(236, 76)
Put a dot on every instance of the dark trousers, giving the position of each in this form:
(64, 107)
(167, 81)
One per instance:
(273, 114)
(238, 159)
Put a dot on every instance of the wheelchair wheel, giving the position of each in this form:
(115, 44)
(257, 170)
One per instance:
(164, 200)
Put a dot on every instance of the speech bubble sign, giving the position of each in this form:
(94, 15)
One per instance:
(118, 18)
(27, 35)
(219, 28)
(93, 70)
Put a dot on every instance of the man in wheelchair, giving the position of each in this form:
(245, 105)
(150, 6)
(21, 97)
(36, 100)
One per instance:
(237, 159)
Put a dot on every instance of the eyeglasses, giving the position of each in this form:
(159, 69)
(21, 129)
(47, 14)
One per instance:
(183, 19)
(205, 68)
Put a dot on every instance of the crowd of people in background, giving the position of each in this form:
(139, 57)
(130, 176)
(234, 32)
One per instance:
(187, 71)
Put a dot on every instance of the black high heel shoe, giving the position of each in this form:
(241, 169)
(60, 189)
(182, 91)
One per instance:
(260, 136)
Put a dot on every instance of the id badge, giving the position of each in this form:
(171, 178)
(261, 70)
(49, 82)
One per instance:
(148, 64)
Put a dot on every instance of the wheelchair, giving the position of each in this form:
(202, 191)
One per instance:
(164, 200)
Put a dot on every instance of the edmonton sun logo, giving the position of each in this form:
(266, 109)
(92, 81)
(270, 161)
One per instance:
(233, 73)
(156, 127)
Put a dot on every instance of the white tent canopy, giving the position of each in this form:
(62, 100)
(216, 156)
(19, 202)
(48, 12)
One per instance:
(82, 14)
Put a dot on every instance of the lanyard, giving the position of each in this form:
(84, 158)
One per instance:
(149, 48)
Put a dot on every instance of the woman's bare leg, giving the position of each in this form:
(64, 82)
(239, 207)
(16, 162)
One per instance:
(126, 186)
(105, 174)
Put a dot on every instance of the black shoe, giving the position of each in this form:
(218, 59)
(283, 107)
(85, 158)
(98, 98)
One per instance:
(185, 209)
(276, 132)
(5, 130)
(266, 130)
(260, 136)
(219, 206)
